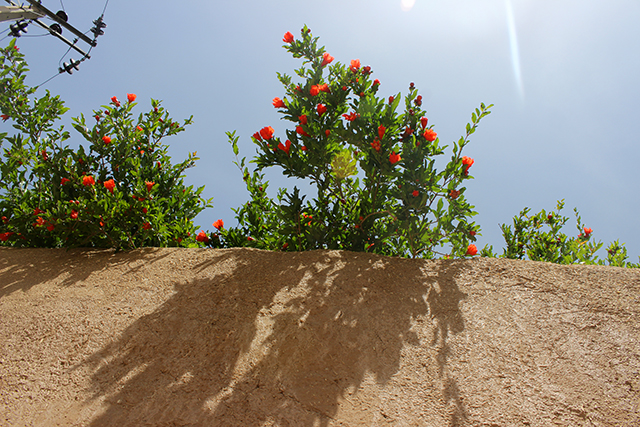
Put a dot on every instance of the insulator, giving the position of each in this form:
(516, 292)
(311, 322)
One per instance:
(55, 27)
(62, 15)
(18, 27)
(99, 24)
(69, 67)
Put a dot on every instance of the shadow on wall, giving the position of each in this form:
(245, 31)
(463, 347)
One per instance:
(244, 347)
(66, 266)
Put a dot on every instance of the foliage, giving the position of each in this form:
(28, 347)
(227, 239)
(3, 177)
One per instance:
(120, 191)
(377, 187)
(529, 239)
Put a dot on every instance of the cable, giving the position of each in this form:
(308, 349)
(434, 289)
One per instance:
(62, 4)
(48, 80)
(105, 7)
(65, 54)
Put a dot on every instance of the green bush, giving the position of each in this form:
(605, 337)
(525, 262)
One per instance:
(121, 191)
(377, 187)
(539, 238)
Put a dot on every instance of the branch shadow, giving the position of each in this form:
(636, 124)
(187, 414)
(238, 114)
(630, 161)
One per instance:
(276, 338)
(23, 268)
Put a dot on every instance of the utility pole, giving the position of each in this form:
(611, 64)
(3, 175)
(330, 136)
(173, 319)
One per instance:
(25, 15)
(17, 13)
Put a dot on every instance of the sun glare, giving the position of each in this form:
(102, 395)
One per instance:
(515, 54)
(407, 5)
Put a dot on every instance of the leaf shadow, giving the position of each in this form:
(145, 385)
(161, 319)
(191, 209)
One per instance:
(66, 266)
(283, 338)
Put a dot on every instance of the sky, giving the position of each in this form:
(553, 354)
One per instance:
(562, 74)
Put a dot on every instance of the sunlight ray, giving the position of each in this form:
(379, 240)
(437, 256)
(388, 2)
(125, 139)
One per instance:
(515, 55)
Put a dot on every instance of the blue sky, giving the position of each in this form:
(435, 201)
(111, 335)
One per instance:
(563, 75)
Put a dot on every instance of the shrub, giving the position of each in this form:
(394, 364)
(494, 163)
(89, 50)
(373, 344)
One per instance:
(377, 187)
(121, 191)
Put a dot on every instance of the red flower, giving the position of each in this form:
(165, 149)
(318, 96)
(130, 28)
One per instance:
(376, 145)
(326, 59)
(288, 37)
(37, 211)
(321, 108)
(251, 239)
(110, 185)
(473, 233)
(415, 193)
(39, 221)
(88, 180)
(423, 122)
(45, 156)
(355, 65)
(351, 116)
(106, 139)
(285, 148)
(5, 236)
(257, 136)
(5, 219)
(300, 131)
(5, 117)
(381, 130)
(303, 119)
(407, 132)
(51, 227)
(266, 132)
(587, 231)
(131, 97)
(303, 148)
(138, 128)
(278, 103)
(327, 132)
(394, 158)
(149, 185)
(430, 135)
(314, 90)
(74, 214)
(219, 224)
(146, 226)
(97, 117)
(376, 82)
(472, 250)
(467, 162)
(202, 237)
(454, 194)
(145, 210)
(391, 99)
(418, 100)
(115, 101)
(324, 88)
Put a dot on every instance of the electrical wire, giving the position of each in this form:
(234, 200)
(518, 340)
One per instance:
(49, 79)
(105, 7)
(65, 54)
(85, 57)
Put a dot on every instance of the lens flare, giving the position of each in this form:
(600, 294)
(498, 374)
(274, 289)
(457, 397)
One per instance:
(407, 5)
(513, 43)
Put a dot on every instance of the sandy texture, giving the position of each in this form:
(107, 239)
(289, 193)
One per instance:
(240, 337)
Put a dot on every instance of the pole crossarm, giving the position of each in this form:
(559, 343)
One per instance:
(40, 8)
(72, 45)
(16, 13)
